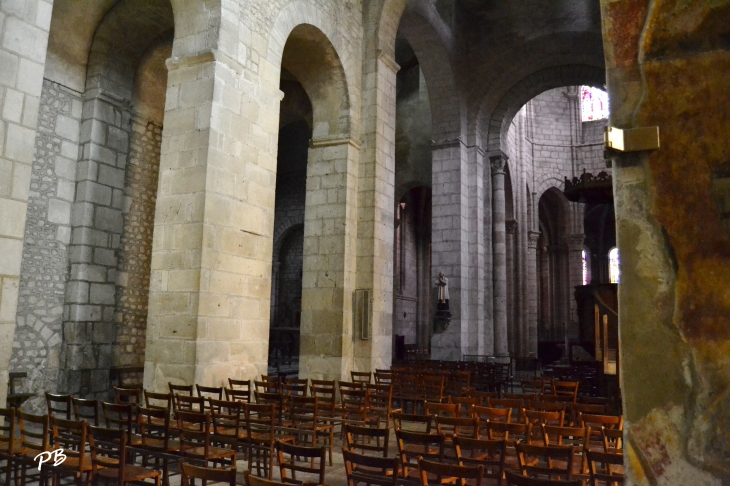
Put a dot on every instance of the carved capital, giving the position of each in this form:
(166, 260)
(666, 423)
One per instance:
(532, 237)
(498, 161)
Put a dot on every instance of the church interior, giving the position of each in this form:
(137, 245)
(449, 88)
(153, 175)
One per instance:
(520, 192)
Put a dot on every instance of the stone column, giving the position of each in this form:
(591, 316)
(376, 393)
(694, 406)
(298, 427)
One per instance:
(376, 206)
(499, 252)
(450, 240)
(212, 247)
(330, 242)
(575, 269)
(23, 43)
(532, 292)
(513, 331)
(475, 340)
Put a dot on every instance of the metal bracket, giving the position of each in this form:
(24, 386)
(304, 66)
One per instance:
(632, 140)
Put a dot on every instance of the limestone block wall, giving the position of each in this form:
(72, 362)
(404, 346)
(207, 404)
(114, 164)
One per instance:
(24, 29)
(44, 267)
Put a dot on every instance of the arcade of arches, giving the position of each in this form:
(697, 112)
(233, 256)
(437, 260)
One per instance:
(186, 185)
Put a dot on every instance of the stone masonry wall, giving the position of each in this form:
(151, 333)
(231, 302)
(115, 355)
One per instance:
(133, 267)
(44, 267)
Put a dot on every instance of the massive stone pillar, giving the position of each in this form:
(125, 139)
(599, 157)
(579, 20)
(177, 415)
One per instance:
(513, 331)
(330, 242)
(450, 244)
(499, 252)
(24, 32)
(375, 207)
(211, 257)
(532, 292)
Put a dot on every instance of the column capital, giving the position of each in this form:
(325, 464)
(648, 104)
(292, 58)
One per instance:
(511, 226)
(575, 241)
(532, 237)
(498, 160)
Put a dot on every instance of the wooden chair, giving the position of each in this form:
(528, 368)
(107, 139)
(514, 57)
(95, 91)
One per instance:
(441, 409)
(195, 440)
(605, 468)
(268, 384)
(381, 402)
(361, 377)
(488, 453)
(465, 404)
(587, 408)
(261, 419)
(520, 480)
(457, 383)
(568, 389)
(355, 407)
(160, 401)
(72, 437)
(34, 440)
(549, 462)
(538, 418)
(156, 438)
(511, 433)
(412, 422)
(594, 424)
(483, 396)
(434, 473)
(132, 396)
(451, 427)
(185, 403)
(383, 377)
(304, 415)
(612, 440)
(182, 390)
(433, 388)
(569, 436)
(370, 470)
(234, 395)
(489, 414)
(215, 392)
(294, 389)
(59, 405)
(515, 404)
(295, 459)
(9, 445)
(412, 445)
(543, 406)
(109, 458)
(372, 440)
(215, 475)
(229, 428)
(239, 386)
(326, 395)
(86, 409)
(122, 417)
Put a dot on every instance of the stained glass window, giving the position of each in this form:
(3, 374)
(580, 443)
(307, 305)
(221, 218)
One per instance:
(586, 268)
(613, 266)
(593, 104)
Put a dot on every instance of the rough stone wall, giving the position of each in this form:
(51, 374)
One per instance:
(44, 267)
(134, 254)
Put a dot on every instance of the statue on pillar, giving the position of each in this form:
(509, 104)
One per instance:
(442, 319)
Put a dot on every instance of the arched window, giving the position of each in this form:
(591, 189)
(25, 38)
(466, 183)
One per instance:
(613, 266)
(593, 104)
(586, 261)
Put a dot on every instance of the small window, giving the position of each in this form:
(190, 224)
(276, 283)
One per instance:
(613, 266)
(586, 267)
(593, 104)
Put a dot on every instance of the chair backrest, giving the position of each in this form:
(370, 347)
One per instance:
(59, 405)
(515, 404)
(520, 480)
(549, 462)
(598, 421)
(488, 453)
(383, 377)
(71, 436)
(252, 480)
(612, 440)
(163, 401)
(432, 472)
(120, 416)
(268, 384)
(433, 388)
(354, 403)
(7, 430)
(361, 376)
(442, 409)
(33, 431)
(542, 406)
(458, 426)
(194, 430)
(457, 382)
(213, 474)
(465, 404)
(490, 414)
(132, 396)
(360, 468)
(303, 412)
(228, 420)
(215, 392)
(537, 417)
(87, 409)
(272, 398)
(186, 390)
(412, 445)
(108, 447)
(567, 389)
(260, 419)
(373, 440)
(238, 395)
(327, 396)
(412, 422)
(154, 428)
(294, 460)
(483, 396)
(605, 467)
(189, 403)
(294, 389)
